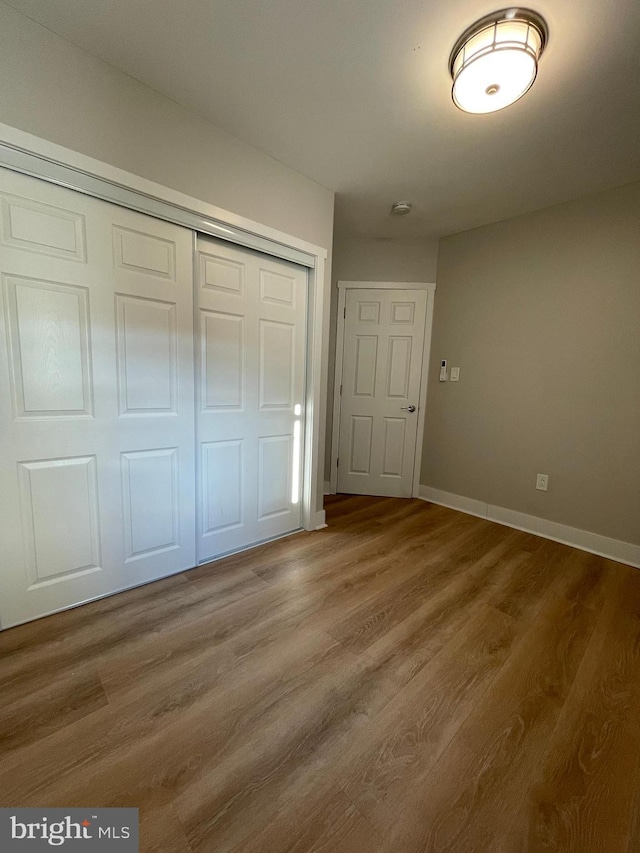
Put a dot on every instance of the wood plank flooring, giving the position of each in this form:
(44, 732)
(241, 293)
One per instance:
(409, 680)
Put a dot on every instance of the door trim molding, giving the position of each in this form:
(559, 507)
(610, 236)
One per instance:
(38, 158)
(343, 287)
(32, 155)
(36, 166)
(386, 285)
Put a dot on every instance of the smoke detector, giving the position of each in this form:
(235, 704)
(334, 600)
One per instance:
(401, 208)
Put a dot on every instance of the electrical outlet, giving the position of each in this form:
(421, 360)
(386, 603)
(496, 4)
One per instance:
(542, 482)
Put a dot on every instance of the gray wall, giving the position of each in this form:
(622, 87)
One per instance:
(542, 315)
(363, 259)
(57, 91)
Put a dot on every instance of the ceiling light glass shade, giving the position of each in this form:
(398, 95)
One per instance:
(495, 61)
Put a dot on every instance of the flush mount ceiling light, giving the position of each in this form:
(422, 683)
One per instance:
(495, 61)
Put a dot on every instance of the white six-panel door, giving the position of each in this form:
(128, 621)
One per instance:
(251, 341)
(96, 398)
(381, 374)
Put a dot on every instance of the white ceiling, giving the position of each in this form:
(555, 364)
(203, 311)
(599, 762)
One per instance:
(356, 95)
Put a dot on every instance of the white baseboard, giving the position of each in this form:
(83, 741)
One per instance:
(327, 487)
(468, 505)
(612, 549)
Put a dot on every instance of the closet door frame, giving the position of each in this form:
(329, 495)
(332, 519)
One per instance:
(28, 154)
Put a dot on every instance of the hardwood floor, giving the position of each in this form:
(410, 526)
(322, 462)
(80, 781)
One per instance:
(409, 679)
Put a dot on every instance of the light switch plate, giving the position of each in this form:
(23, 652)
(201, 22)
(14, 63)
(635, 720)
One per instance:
(455, 374)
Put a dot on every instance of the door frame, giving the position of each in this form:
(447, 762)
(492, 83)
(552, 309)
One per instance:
(23, 152)
(343, 287)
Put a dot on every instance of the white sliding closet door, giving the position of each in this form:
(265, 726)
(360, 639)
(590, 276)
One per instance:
(250, 407)
(96, 398)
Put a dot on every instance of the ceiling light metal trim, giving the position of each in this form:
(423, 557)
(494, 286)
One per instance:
(495, 26)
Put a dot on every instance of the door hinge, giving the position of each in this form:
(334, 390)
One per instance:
(345, 313)
(341, 390)
(337, 461)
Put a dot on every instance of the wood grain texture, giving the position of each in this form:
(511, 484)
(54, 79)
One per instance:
(582, 796)
(409, 679)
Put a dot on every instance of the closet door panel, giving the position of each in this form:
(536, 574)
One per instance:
(251, 331)
(96, 399)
